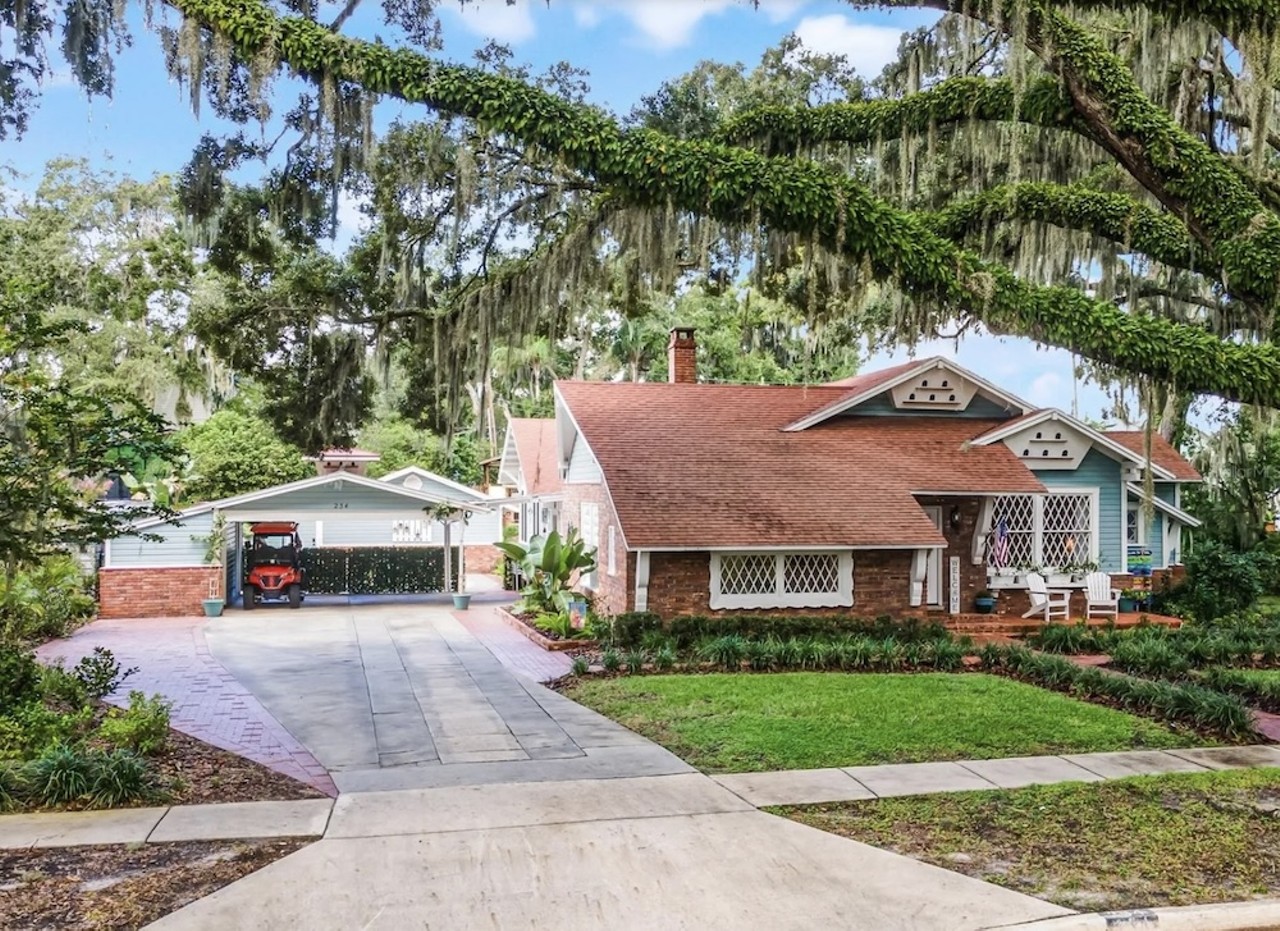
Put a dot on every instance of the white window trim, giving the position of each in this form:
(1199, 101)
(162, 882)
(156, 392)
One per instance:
(1037, 521)
(613, 551)
(843, 598)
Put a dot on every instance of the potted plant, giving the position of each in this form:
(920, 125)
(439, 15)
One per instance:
(215, 543)
(984, 602)
(1058, 577)
(1081, 570)
(1131, 598)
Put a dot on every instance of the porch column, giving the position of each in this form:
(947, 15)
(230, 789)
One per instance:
(448, 559)
(919, 568)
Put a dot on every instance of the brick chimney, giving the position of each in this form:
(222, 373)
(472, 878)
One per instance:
(682, 357)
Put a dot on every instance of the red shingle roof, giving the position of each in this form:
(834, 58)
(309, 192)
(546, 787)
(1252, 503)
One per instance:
(709, 466)
(1162, 453)
(856, 384)
(536, 450)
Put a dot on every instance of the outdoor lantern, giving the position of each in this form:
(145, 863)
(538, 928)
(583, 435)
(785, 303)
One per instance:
(955, 518)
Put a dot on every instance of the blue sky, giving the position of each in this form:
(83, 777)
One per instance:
(628, 47)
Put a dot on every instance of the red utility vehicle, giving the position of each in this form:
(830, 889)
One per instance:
(274, 565)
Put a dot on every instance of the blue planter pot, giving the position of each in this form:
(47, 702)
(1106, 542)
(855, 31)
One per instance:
(984, 605)
(461, 602)
(213, 607)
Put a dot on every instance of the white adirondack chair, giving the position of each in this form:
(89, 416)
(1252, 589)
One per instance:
(1102, 598)
(1051, 604)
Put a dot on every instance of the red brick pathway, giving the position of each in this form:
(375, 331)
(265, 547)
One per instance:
(208, 703)
(513, 650)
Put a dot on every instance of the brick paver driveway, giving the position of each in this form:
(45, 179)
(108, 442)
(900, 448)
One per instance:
(384, 696)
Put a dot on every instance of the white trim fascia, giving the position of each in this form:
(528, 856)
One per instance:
(642, 581)
(152, 567)
(439, 479)
(318, 481)
(562, 404)
(106, 553)
(839, 407)
(978, 494)
(1095, 436)
(1165, 507)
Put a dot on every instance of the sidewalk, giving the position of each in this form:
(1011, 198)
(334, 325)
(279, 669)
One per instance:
(231, 821)
(857, 783)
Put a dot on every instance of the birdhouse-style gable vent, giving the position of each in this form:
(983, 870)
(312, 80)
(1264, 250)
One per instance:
(938, 389)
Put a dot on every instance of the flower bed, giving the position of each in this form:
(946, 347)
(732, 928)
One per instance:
(524, 624)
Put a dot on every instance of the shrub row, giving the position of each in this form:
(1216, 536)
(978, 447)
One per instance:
(65, 774)
(1161, 650)
(1186, 703)
(1263, 693)
(645, 629)
(49, 599)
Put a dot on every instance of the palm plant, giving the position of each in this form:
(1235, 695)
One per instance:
(549, 564)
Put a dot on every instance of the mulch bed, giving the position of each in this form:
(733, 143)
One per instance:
(524, 623)
(122, 887)
(192, 772)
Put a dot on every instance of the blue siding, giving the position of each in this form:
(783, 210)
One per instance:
(438, 489)
(583, 468)
(882, 406)
(1101, 472)
(175, 548)
(325, 498)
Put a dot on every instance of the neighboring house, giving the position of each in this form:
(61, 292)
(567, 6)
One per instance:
(530, 466)
(898, 491)
(160, 571)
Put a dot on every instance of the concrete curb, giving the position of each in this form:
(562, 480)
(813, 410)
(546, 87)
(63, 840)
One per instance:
(114, 826)
(1229, 916)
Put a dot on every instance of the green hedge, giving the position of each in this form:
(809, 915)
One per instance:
(633, 628)
(1200, 707)
(375, 570)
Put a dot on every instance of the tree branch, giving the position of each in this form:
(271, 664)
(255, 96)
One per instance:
(647, 169)
(1116, 217)
(784, 130)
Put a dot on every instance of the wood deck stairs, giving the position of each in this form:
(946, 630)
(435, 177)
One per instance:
(995, 628)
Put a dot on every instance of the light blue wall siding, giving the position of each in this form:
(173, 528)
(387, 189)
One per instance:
(882, 405)
(376, 531)
(583, 468)
(1101, 472)
(176, 548)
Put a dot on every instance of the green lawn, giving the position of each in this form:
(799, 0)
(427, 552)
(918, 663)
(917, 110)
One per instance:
(745, 723)
(1149, 841)
(1261, 675)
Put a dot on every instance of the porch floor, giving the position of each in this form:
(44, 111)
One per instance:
(1003, 627)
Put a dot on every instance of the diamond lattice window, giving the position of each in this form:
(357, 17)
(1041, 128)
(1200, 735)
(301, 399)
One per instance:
(1053, 531)
(1068, 532)
(1011, 541)
(781, 580)
(748, 575)
(805, 573)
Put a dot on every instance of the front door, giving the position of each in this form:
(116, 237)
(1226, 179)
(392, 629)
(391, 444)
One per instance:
(933, 568)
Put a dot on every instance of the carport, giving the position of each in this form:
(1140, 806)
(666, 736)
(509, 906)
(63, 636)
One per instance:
(160, 569)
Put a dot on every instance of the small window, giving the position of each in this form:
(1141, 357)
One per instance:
(781, 580)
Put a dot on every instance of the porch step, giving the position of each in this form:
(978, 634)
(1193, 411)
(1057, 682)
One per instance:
(989, 627)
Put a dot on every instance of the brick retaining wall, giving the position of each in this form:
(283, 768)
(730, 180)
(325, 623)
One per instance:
(167, 592)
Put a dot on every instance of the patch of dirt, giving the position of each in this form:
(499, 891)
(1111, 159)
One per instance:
(122, 887)
(204, 774)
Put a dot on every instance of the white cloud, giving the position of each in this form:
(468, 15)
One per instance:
(586, 15)
(667, 24)
(869, 48)
(495, 19)
(1047, 390)
(779, 11)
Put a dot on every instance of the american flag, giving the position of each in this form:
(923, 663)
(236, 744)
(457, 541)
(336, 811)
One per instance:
(1000, 552)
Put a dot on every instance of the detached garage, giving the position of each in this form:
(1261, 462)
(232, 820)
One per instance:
(160, 570)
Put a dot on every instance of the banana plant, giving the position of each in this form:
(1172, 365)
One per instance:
(548, 564)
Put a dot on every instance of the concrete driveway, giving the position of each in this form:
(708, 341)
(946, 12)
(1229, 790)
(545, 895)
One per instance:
(405, 696)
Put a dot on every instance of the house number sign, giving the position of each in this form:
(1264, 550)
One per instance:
(953, 587)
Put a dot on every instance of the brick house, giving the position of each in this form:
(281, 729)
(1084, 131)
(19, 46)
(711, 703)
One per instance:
(902, 491)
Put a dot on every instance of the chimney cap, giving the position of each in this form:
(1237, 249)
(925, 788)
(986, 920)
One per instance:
(683, 332)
